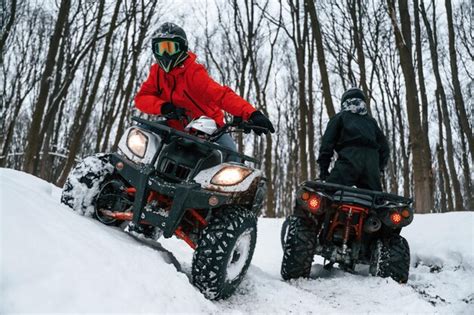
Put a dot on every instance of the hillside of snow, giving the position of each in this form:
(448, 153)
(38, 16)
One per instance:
(54, 260)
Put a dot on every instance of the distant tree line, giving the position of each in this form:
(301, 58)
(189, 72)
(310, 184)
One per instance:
(69, 75)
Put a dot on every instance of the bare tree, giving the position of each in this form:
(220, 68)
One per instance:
(8, 27)
(419, 143)
(82, 119)
(432, 39)
(32, 143)
(318, 38)
(459, 101)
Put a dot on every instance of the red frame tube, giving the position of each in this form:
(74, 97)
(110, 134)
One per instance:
(180, 234)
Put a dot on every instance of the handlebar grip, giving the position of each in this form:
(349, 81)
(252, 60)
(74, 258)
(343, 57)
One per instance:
(247, 126)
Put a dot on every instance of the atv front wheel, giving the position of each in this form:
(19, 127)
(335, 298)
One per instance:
(284, 232)
(85, 182)
(298, 250)
(391, 258)
(111, 198)
(224, 252)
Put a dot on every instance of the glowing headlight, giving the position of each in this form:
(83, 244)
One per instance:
(137, 142)
(230, 175)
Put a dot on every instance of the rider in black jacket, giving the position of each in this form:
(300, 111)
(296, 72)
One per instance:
(361, 146)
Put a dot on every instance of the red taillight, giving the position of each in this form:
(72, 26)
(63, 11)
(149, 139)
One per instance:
(314, 203)
(405, 213)
(305, 196)
(396, 217)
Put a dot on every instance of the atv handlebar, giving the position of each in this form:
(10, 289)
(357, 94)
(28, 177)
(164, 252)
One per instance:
(168, 131)
(238, 125)
(237, 122)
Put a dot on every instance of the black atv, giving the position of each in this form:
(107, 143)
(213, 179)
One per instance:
(347, 226)
(169, 182)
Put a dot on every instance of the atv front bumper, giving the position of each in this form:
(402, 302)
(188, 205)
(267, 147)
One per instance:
(186, 195)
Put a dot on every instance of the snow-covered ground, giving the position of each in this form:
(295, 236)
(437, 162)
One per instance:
(53, 260)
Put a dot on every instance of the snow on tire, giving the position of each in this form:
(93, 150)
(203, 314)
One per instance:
(224, 252)
(391, 258)
(298, 250)
(84, 182)
(284, 232)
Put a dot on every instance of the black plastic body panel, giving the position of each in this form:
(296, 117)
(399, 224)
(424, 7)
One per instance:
(185, 195)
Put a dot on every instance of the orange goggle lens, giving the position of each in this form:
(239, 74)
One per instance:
(167, 46)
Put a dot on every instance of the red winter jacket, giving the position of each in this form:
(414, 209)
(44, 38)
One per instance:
(190, 87)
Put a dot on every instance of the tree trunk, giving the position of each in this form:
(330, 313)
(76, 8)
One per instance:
(144, 24)
(422, 176)
(432, 39)
(355, 11)
(459, 101)
(444, 187)
(311, 140)
(419, 63)
(79, 131)
(321, 57)
(32, 143)
(8, 28)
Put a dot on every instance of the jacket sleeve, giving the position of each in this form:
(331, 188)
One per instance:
(328, 142)
(219, 96)
(147, 99)
(384, 149)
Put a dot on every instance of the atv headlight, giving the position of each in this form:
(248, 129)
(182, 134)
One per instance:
(230, 175)
(137, 142)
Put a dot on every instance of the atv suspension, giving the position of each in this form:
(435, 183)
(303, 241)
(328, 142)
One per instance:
(155, 197)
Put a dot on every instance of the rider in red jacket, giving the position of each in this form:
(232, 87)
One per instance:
(178, 81)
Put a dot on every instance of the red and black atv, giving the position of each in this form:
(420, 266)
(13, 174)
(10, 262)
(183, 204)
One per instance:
(167, 182)
(348, 226)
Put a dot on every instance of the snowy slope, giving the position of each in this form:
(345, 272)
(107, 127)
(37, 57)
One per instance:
(53, 260)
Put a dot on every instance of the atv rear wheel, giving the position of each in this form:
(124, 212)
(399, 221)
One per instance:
(224, 252)
(85, 182)
(391, 258)
(298, 250)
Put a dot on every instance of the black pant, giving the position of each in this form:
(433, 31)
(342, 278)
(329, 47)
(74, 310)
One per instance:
(357, 166)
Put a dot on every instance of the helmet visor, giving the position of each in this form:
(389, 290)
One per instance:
(168, 46)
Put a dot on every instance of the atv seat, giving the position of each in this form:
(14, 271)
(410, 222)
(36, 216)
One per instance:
(352, 197)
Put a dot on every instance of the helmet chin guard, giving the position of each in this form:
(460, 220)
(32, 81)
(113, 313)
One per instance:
(167, 63)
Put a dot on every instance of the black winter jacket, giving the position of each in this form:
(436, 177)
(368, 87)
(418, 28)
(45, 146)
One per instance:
(346, 130)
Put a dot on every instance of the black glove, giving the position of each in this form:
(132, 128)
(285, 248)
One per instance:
(172, 112)
(323, 173)
(167, 108)
(260, 120)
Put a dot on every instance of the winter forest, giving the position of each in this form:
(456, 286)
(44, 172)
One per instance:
(70, 71)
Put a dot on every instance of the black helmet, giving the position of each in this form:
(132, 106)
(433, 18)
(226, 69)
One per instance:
(353, 92)
(169, 45)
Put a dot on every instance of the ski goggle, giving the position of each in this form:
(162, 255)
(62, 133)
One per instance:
(168, 46)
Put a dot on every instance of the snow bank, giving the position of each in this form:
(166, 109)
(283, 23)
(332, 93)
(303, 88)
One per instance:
(441, 275)
(53, 260)
(442, 259)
